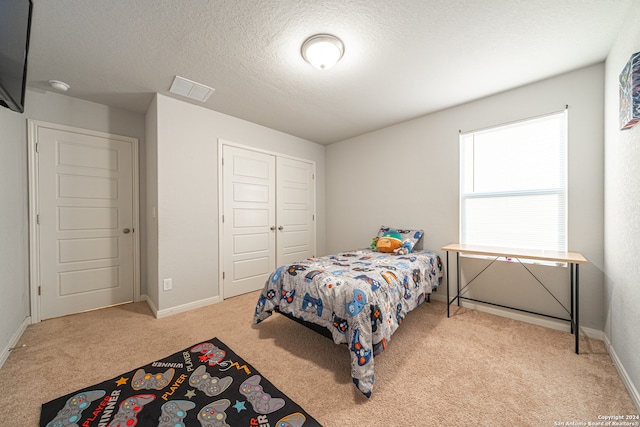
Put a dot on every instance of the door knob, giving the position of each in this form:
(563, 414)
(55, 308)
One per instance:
(273, 227)
(281, 228)
(126, 231)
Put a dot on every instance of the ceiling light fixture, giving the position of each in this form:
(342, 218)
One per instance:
(58, 85)
(322, 51)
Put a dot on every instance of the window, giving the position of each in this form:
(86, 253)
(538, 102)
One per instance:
(513, 184)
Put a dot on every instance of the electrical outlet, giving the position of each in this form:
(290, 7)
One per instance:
(168, 284)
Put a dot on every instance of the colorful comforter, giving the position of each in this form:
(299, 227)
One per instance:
(360, 296)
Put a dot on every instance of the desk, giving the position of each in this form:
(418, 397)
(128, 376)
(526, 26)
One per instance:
(574, 259)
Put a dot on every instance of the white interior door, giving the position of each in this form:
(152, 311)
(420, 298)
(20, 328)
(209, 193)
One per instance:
(85, 216)
(295, 210)
(248, 219)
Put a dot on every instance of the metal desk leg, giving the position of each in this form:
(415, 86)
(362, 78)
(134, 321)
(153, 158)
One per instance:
(571, 282)
(448, 302)
(458, 276)
(577, 309)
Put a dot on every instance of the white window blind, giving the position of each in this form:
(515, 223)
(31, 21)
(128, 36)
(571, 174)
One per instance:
(513, 184)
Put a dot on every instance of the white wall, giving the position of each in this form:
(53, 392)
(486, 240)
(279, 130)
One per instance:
(14, 226)
(622, 213)
(407, 176)
(187, 194)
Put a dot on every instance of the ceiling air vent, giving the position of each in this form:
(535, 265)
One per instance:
(191, 89)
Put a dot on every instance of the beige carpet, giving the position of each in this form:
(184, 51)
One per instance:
(473, 369)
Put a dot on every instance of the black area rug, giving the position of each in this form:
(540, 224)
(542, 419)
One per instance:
(205, 385)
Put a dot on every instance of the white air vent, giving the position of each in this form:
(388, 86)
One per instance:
(191, 89)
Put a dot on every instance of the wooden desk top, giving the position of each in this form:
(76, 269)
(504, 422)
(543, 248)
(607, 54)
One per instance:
(557, 256)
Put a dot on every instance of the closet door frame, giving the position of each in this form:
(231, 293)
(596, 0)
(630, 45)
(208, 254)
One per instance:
(221, 242)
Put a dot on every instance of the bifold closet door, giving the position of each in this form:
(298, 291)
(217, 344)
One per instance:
(249, 221)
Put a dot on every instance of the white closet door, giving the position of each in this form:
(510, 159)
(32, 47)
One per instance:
(295, 210)
(249, 198)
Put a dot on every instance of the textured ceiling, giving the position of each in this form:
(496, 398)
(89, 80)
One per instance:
(403, 58)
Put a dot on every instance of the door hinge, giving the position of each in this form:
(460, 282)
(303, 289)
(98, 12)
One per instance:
(313, 217)
(223, 275)
(38, 219)
(223, 161)
(222, 218)
(39, 290)
(37, 147)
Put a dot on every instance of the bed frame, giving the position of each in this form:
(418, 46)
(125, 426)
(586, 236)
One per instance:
(317, 328)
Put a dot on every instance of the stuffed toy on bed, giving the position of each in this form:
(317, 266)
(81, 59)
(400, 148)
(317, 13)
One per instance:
(407, 247)
(389, 242)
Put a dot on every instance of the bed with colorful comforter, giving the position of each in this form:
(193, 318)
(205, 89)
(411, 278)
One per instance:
(361, 297)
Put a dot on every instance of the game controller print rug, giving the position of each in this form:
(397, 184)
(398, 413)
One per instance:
(205, 385)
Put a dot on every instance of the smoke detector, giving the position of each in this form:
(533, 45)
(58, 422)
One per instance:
(58, 85)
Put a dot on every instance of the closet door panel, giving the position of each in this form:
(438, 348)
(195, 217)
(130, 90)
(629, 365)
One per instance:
(295, 210)
(249, 199)
(268, 216)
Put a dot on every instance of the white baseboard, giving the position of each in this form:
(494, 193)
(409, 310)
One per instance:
(633, 391)
(14, 340)
(179, 308)
(525, 317)
(154, 309)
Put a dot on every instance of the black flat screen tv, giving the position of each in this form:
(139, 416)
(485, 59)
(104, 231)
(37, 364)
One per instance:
(15, 28)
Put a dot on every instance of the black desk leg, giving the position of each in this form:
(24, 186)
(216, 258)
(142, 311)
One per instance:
(458, 276)
(571, 282)
(448, 303)
(577, 309)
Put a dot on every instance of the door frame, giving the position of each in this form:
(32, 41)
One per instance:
(221, 254)
(34, 127)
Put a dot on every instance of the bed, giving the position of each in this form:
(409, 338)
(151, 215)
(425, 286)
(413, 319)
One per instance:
(358, 298)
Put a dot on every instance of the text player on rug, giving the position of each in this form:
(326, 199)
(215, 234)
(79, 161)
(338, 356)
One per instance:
(205, 385)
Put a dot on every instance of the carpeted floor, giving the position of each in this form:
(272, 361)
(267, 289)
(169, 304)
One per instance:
(471, 369)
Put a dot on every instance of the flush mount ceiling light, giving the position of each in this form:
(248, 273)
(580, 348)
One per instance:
(322, 51)
(58, 85)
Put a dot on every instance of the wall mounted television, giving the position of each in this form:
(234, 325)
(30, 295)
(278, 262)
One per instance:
(15, 29)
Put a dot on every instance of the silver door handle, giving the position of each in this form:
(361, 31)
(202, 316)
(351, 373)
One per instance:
(126, 231)
(281, 228)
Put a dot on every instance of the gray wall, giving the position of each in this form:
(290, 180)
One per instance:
(14, 229)
(622, 213)
(183, 175)
(151, 215)
(14, 226)
(407, 176)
